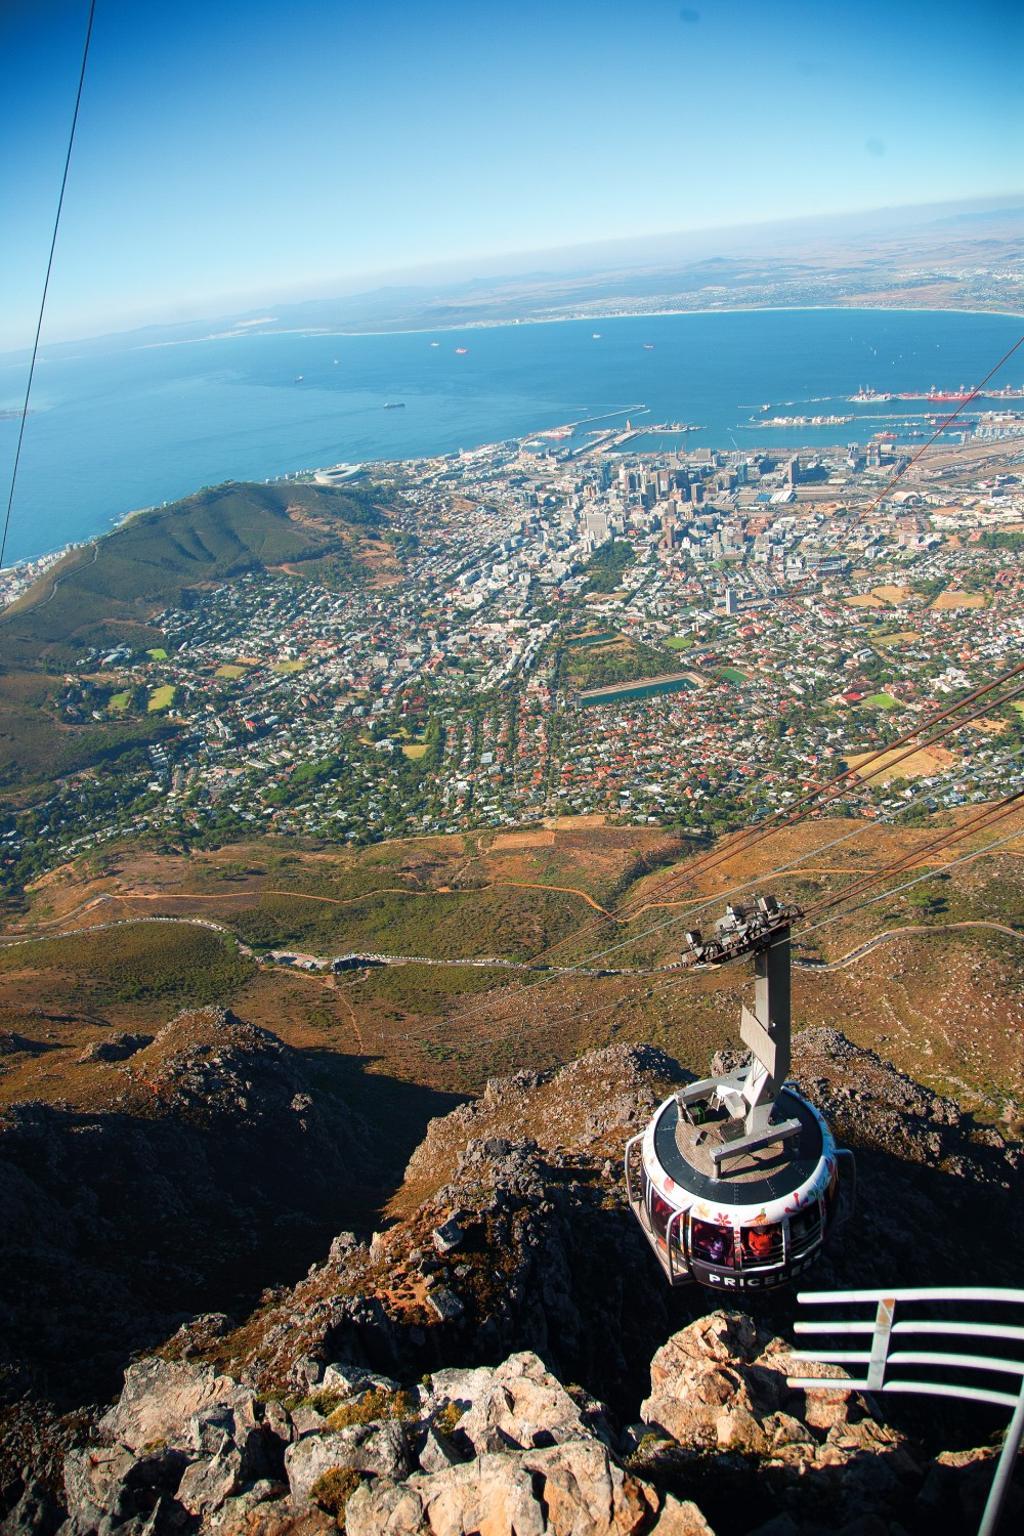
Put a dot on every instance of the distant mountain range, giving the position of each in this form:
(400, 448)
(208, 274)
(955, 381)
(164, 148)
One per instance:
(966, 256)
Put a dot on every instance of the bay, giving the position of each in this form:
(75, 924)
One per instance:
(129, 426)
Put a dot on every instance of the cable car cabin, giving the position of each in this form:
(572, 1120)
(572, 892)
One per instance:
(736, 1182)
(755, 1222)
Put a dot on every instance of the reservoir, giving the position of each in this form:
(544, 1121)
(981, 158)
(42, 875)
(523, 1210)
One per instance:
(645, 688)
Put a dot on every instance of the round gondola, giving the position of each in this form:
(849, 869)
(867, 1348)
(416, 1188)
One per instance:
(737, 1182)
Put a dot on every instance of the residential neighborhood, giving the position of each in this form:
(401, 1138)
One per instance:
(574, 624)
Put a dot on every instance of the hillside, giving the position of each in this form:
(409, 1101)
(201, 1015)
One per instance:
(170, 1028)
(930, 977)
(423, 1369)
(111, 593)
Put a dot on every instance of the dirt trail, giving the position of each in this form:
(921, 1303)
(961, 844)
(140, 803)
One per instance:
(333, 901)
(853, 955)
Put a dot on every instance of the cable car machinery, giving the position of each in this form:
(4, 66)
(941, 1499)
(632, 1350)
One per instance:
(736, 1180)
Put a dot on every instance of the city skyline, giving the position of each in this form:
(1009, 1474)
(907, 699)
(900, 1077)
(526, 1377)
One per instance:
(237, 157)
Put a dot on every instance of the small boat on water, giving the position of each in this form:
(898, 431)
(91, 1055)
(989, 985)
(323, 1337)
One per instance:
(461, 351)
(435, 343)
(648, 346)
(394, 405)
(298, 378)
(596, 336)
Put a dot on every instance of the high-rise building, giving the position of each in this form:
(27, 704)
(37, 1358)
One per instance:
(793, 471)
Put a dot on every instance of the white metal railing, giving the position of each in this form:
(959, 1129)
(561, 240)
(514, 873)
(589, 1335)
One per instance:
(880, 1360)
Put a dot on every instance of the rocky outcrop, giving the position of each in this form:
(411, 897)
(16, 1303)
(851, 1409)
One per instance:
(214, 1157)
(513, 1232)
(426, 1378)
(722, 1445)
(116, 1047)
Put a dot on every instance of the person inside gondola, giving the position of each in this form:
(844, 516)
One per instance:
(758, 1243)
(711, 1243)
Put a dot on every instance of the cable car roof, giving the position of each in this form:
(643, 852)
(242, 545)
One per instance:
(770, 1173)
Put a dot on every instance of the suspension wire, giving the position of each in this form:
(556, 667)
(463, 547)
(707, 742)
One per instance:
(679, 979)
(988, 817)
(975, 392)
(710, 901)
(929, 874)
(752, 836)
(838, 788)
(886, 489)
(676, 977)
(46, 283)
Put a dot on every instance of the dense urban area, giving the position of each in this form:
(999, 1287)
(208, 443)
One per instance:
(597, 620)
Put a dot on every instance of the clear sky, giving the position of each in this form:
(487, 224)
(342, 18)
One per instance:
(234, 151)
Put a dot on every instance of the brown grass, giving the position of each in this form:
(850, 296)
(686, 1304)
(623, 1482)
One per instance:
(375, 1034)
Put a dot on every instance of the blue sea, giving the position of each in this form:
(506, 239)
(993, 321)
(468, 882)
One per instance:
(131, 426)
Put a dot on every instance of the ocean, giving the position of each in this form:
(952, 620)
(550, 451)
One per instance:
(131, 426)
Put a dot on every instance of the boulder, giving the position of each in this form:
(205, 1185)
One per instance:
(707, 1389)
(36, 1513)
(523, 1406)
(116, 1047)
(350, 1380)
(160, 1398)
(459, 1386)
(116, 1484)
(436, 1452)
(209, 1483)
(381, 1448)
(681, 1518)
(566, 1490)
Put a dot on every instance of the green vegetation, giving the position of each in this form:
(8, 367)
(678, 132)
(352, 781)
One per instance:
(460, 925)
(622, 661)
(230, 671)
(107, 594)
(372, 1406)
(731, 675)
(605, 569)
(161, 698)
(333, 1489)
(36, 745)
(168, 963)
(680, 643)
(119, 702)
(881, 701)
(447, 1419)
(285, 665)
(1003, 539)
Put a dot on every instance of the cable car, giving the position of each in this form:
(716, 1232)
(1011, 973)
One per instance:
(737, 1182)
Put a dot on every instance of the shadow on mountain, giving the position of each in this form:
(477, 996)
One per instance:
(226, 1164)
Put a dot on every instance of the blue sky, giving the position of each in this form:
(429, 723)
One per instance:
(233, 153)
